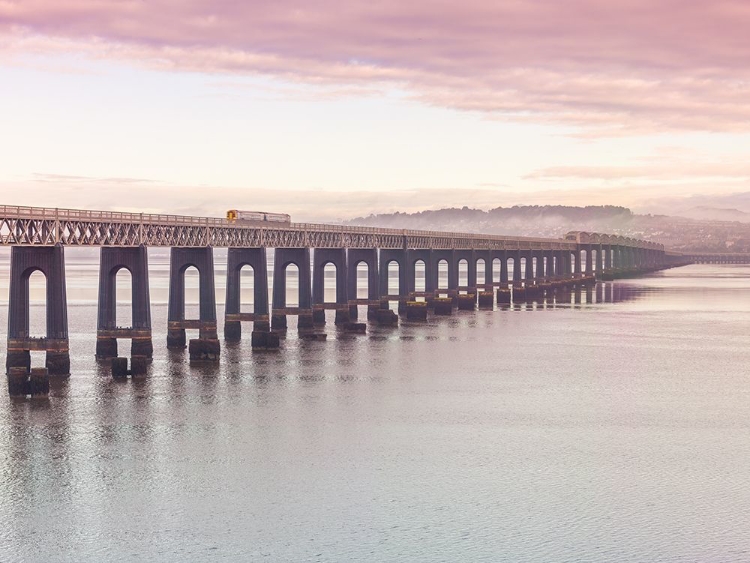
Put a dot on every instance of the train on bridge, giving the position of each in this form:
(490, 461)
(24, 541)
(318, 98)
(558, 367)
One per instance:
(235, 215)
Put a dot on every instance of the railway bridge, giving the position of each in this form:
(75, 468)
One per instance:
(39, 236)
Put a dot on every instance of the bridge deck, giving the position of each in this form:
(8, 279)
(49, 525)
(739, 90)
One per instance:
(39, 226)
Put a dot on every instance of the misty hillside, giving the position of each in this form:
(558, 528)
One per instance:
(531, 220)
(679, 233)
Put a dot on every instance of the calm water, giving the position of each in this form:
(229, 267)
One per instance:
(597, 432)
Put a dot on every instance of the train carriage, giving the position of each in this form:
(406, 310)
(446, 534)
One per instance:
(236, 215)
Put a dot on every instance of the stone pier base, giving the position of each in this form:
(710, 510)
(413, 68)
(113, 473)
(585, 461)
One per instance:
(503, 296)
(22, 382)
(305, 321)
(106, 348)
(386, 317)
(278, 322)
(176, 338)
(467, 302)
(443, 306)
(319, 316)
(58, 363)
(142, 347)
(204, 350)
(486, 299)
(232, 330)
(119, 367)
(18, 359)
(342, 316)
(416, 310)
(138, 365)
(265, 340)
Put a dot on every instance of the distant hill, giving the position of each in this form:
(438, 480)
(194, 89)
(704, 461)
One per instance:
(706, 213)
(527, 220)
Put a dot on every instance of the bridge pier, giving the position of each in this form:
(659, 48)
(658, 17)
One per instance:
(135, 261)
(430, 282)
(471, 271)
(600, 260)
(502, 255)
(238, 258)
(387, 256)
(539, 266)
(529, 267)
(485, 282)
(577, 262)
(448, 257)
(50, 261)
(206, 346)
(283, 257)
(516, 255)
(555, 268)
(368, 256)
(322, 257)
(587, 266)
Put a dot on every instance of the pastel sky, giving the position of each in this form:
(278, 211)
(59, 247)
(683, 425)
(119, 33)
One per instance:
(332, 109)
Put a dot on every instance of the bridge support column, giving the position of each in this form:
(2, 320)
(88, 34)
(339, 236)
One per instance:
(516, 255)
(503, 256)
(238, 258)
(283, 257)
(439, 256)
(529, 269)
(337, 257)
(112, 260)
(539, 270)
(397, 256)
(600, 260)
(51, 262)
(368, 256)
(616, 258)
(607, 272)
(587, 267)
(206, 346)
(486, 279)
(471, 270)
(547, 256)
(577, 261)
(562, 264)
(430, 283)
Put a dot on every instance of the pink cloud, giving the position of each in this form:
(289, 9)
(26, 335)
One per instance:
(622, 66)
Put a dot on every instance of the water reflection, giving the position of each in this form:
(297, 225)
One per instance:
(273, 455)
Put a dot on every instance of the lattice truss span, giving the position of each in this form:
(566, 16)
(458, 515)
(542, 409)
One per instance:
(38, 226)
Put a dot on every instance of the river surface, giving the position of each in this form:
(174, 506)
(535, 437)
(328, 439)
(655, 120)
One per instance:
(615, 429)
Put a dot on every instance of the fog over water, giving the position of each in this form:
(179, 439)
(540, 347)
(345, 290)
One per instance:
(610, 429)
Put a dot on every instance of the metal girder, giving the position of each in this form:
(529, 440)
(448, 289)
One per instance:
(39, 226)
